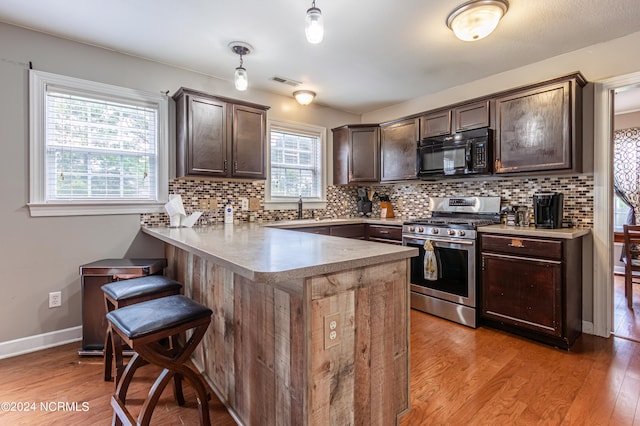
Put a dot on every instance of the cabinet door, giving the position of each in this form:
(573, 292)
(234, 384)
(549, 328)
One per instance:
(435, 124)
(249, 130)
(523, 292)
(206, 150)
(341, 156)
(533, 130)
(364, 163)
(398, 151)
(471, 116)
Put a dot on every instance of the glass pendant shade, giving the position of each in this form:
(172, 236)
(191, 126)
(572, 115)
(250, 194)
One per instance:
(241, 79)
(314, 27)
(477, 19)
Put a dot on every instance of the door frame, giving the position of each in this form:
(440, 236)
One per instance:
(603, 201)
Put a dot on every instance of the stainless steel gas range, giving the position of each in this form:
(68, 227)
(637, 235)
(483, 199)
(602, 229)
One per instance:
(443, 276)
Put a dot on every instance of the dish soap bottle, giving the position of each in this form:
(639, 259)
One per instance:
(228, 212)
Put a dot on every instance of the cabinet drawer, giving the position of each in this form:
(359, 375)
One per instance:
(385, 232)
(349, 231)
(324, 230)
(518, 246)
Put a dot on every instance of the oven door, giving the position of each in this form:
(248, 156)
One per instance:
(454, 278)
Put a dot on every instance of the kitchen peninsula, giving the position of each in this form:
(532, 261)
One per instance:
(306, 329)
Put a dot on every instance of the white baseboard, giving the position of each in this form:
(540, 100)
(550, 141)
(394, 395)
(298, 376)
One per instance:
(40, 341)
(587, 327)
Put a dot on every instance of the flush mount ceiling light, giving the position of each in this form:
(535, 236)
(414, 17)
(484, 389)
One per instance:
(476, 19)
(304, 97)
(313, 27)
(241, 77)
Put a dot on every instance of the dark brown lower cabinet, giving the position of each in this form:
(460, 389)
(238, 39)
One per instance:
(391, 234)
(354, 230)
(532, 287)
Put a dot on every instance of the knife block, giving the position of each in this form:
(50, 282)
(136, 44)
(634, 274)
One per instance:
(386, 209)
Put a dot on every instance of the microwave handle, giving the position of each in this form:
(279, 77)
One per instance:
(469, 156)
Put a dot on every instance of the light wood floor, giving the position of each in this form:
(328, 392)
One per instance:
(459, 376)
(626, 322)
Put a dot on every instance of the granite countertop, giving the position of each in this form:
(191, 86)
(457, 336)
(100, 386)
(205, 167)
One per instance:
(271, 255)
(564, 233)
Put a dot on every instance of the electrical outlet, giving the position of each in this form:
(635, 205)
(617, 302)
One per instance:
(55, 299)
(332, 330)
(245, 204)
(204, 204)
(254, 204)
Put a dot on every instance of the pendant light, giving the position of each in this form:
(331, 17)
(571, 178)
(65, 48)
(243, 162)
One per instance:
(314, 28)
(476, 19)
(304, 97)
(241, 77)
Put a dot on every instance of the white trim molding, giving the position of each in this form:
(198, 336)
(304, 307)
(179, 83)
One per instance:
(38, 342)
(603, 201)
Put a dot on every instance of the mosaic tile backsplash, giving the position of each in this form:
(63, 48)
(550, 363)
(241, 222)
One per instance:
(409, 200)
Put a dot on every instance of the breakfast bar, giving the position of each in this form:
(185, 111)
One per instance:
(306, 329)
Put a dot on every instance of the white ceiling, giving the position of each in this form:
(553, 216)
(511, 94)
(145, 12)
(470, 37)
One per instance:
(375, 53)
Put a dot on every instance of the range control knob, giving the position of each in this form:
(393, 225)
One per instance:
(451, 232)
(420, 229)
(412, 228)
(435, 231)
(461, 233)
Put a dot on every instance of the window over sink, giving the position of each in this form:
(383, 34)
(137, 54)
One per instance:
(296, 165)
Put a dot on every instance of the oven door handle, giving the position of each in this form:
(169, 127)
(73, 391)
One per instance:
(438, 240)
(464, 242)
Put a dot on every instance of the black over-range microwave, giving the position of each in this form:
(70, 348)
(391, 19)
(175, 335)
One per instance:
(460, 154)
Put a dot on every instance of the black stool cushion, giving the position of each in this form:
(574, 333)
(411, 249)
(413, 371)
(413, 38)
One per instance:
(136, 287)
(155, 315)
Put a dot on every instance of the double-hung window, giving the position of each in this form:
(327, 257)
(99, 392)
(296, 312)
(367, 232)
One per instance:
(95, 148)
(297, 165)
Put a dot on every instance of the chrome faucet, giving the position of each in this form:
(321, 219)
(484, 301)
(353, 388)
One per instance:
(300, 207)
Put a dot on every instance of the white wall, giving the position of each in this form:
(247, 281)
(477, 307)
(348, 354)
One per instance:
(39, 255)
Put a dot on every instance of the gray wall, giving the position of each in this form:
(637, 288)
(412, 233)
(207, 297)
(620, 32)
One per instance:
(40, 255)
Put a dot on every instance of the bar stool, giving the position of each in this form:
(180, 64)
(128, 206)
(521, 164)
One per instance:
(142, 326)
(119, 294)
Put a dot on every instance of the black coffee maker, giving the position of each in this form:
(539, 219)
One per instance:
(547, 210)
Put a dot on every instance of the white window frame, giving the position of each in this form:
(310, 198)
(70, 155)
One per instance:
(287, 203)
(38, 205)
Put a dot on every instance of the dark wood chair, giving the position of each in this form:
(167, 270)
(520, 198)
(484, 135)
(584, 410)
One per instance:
(126, 291)
(143, 327)
(631, 260)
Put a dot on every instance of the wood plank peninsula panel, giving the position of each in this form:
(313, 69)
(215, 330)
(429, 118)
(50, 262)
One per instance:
(269, 351)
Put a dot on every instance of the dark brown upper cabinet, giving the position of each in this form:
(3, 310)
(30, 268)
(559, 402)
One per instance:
(435, 123)
(474, 115)
(539, 128)
(219, 137)
(356, 154)
(398, 141)
(471, 116)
